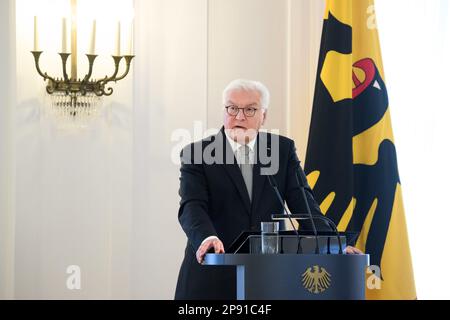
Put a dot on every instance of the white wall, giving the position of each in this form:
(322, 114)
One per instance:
(415, 42)
(170, 92)
(7, 102)
(106, 197)
(73, 187)
(305, 19)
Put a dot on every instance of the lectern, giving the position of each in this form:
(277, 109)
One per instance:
(296, 273)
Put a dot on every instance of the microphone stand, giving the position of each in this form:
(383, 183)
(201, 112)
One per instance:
(308, 210)
(287, 213)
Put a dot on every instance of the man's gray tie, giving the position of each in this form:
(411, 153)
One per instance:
(246, 168)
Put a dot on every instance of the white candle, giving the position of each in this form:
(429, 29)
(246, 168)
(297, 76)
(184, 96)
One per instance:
(36, 36)
(93, 36)
(64, 36)
(130, 40)
(118, 39)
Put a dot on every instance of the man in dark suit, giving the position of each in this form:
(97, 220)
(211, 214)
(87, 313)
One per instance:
(224, 188)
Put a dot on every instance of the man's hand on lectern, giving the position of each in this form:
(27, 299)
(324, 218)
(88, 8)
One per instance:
(208, 244)
(352, 250)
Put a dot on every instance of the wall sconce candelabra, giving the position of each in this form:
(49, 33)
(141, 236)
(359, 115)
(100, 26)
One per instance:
(74, 97)
(72, 86)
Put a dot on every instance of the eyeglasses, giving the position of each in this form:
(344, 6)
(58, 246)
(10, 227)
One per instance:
(234, 111)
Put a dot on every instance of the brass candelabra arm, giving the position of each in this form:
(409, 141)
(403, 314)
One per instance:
(91, 59)
(84, 83)
(128, 60)
(51, 85)
(107, 79)
(64, 57)
(102, 83)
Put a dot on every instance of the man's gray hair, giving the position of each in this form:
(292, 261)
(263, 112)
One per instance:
(248, 85)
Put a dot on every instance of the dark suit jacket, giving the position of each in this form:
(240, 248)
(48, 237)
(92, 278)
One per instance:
(214, 201)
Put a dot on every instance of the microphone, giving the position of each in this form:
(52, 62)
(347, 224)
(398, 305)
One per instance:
(327, 220)
(305, 200)
(330, 223)
(273, 184)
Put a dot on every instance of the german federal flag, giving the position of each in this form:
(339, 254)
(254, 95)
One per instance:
(351, 160)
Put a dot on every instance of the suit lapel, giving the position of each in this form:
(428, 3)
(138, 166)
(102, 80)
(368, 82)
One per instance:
(259, 180)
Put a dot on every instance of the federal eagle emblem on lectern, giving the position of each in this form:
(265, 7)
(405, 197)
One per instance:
(316, 279)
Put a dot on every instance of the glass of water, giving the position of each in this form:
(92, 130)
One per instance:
(269, 237)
